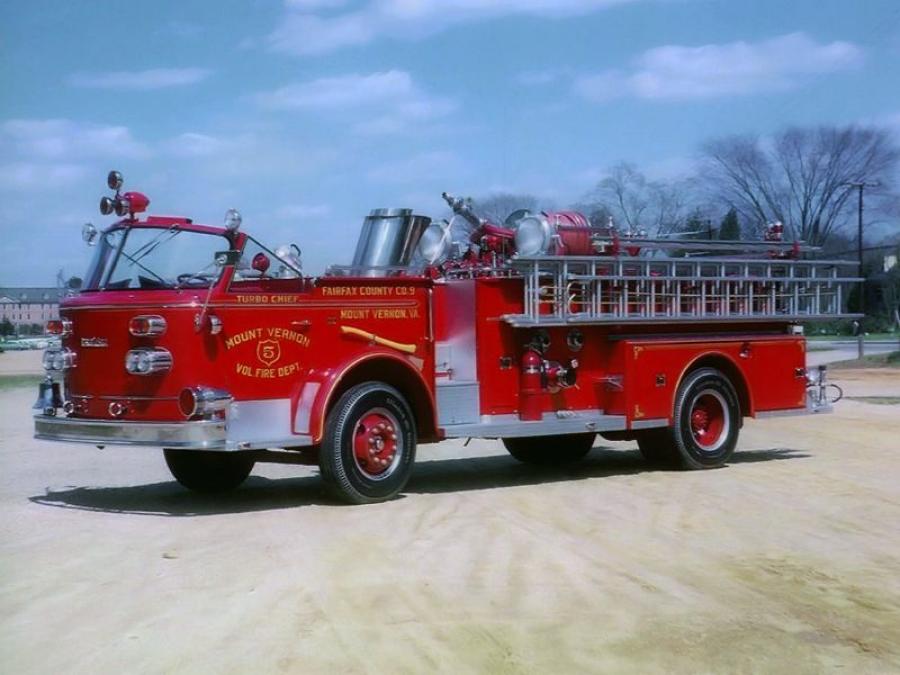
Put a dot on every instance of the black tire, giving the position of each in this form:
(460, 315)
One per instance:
(658, 448)
(550, 450)
(375, 417)
(204, 471)
(707, 392)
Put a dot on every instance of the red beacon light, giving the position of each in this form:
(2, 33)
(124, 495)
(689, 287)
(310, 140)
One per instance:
(130, 203)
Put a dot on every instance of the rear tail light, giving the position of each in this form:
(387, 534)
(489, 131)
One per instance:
(58, 359)
(202, 401)
(147, 325)
(148, 361)
(60, 327)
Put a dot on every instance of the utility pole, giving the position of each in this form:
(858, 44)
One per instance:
(861, 333)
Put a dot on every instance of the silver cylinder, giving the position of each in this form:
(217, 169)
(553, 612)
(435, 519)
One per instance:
(388, 239)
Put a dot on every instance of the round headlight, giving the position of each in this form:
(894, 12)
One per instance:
(232, 220)
(107, 205)
(533, 236)
(123, 206)
(89, 234)
(143, 362)
(114, 180)
(434, 244)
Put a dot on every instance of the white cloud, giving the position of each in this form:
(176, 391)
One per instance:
(675, 72)
(303, 32)
(60, 139)
(340, 92)
(390, 100)
(37, 176)
(192, 144)
(140, 80)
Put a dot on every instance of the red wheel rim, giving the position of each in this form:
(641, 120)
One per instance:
(377, 444)
(709, 420)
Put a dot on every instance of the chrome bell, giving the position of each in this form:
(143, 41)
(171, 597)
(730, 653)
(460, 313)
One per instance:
(49, 397)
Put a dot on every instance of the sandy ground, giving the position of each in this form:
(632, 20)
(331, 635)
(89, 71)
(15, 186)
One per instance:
(788, 560)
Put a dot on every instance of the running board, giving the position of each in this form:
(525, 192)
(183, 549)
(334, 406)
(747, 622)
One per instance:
(553, 424)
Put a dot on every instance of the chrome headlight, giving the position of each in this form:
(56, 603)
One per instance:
(58, 359)
(533, 236)
(148, 361)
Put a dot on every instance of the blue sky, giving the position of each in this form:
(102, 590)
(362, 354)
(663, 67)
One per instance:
(305, 114)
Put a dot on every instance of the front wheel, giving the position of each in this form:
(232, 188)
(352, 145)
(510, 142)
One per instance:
(369, 446)
(550, 450)
(205, 471)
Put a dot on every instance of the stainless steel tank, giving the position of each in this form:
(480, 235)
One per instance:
(388, 240)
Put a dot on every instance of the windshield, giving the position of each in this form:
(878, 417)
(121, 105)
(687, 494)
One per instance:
(154, 258)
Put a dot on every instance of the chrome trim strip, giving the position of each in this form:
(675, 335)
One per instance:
(566, 422)
(653, 423)
(201, 435)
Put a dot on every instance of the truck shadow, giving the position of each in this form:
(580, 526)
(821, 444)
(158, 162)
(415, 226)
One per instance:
(430, 477)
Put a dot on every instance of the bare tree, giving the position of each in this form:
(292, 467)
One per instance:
(496, 207)
(639, 204)
(802, 177)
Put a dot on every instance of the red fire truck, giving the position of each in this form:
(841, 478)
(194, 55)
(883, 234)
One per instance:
(542, 331)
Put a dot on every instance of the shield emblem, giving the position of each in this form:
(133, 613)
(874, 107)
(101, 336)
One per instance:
(268, 351)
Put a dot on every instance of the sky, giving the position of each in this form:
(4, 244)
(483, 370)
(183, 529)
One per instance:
(306, 114)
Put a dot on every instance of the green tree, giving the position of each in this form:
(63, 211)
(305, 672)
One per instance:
(730, 228)
(6, 327)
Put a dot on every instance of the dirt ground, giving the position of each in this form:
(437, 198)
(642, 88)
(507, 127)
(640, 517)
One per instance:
(788, 560)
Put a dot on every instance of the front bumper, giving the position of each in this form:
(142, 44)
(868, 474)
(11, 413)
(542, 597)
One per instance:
(199, 435)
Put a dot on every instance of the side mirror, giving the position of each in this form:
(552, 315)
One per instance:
(260, 262)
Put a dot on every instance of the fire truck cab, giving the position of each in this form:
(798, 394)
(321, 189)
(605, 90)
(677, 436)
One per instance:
(542, 331)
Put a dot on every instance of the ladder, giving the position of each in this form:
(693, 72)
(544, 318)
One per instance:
(565, 290)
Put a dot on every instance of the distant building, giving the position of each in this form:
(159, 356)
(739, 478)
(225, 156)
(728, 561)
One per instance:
(28, 306)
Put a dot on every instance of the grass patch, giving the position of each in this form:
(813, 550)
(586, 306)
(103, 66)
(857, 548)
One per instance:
(889, 360)
(19, 381)
(877, 400)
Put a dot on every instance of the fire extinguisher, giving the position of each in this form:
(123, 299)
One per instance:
(531, 385)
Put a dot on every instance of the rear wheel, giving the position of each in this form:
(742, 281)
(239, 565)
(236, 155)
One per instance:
(204, 471)
(550, 450)
(369, 446)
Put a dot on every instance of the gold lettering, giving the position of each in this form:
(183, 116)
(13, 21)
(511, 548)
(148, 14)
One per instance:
(244, 336)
